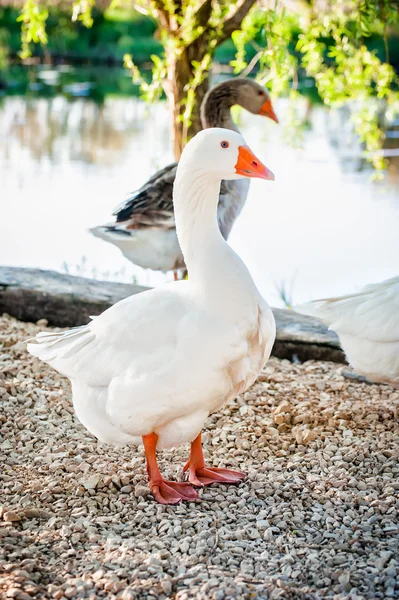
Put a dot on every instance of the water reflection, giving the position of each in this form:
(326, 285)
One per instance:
(65, 164)
(59, 130)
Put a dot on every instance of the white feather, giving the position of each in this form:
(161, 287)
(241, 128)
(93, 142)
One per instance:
(150, 248)
(367, 324)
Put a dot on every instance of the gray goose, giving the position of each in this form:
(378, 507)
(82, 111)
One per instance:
(144, 228)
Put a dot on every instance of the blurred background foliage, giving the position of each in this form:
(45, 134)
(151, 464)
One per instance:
(114, 32)
(348, 48)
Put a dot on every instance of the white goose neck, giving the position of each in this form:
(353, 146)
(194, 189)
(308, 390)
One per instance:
(195, 198)
(215, 272)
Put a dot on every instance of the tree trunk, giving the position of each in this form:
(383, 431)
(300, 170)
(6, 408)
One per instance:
(180, 73)
(179, 64)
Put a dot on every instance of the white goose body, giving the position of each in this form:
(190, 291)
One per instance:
(161, 361)
(166, 381)
(367, 324)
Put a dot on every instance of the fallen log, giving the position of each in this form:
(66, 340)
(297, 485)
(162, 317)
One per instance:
(66, 301)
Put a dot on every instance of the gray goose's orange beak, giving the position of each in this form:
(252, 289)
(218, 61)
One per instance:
(250, 166)
(267, 111)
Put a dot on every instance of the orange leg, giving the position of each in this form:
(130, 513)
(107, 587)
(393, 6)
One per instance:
(179, 275)
(165, 492)
(199, 474)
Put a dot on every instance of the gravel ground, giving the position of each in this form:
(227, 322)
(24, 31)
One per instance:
(317, 516)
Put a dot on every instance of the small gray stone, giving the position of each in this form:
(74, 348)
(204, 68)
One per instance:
(91, 482)
(141, 490)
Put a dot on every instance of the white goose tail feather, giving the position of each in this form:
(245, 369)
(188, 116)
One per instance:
(321, 309)
(54, 346)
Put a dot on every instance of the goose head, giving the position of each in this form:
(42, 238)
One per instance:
(254, 98)
(221, 154)
(215, 109)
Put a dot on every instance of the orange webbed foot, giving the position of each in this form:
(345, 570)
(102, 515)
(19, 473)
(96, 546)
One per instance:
(207, 475)
(199, 474)
(172, 492)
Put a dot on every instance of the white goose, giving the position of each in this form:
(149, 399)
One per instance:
(152, 367)
(367, 324)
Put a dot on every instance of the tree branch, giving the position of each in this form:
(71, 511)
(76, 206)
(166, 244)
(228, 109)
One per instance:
(230, 23)
(202, 15)
(251, 65)
(233, 22)
(201, 19)
(163, 15)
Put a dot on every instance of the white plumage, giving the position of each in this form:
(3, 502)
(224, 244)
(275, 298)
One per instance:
(159, 362)
(155, 248)
(367, 324)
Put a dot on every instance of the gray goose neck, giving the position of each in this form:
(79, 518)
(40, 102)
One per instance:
(216, 106)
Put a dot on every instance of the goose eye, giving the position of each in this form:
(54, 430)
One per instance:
(224, 144)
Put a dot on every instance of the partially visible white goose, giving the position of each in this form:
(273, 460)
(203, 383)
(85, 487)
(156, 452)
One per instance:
(152, 367)
(367, 324)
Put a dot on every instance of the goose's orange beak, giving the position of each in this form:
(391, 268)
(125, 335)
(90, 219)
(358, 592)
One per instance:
(250, 166)
(267, 111)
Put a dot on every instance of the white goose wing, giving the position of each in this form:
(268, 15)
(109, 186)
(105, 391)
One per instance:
(372, 313)
(128, 337)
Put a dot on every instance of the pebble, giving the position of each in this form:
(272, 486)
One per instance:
(316, 517)
(91, 482)
(166, 586)
(11, 516)
(141, 490)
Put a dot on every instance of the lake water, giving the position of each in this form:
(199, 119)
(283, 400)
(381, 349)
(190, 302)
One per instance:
(323, 227)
